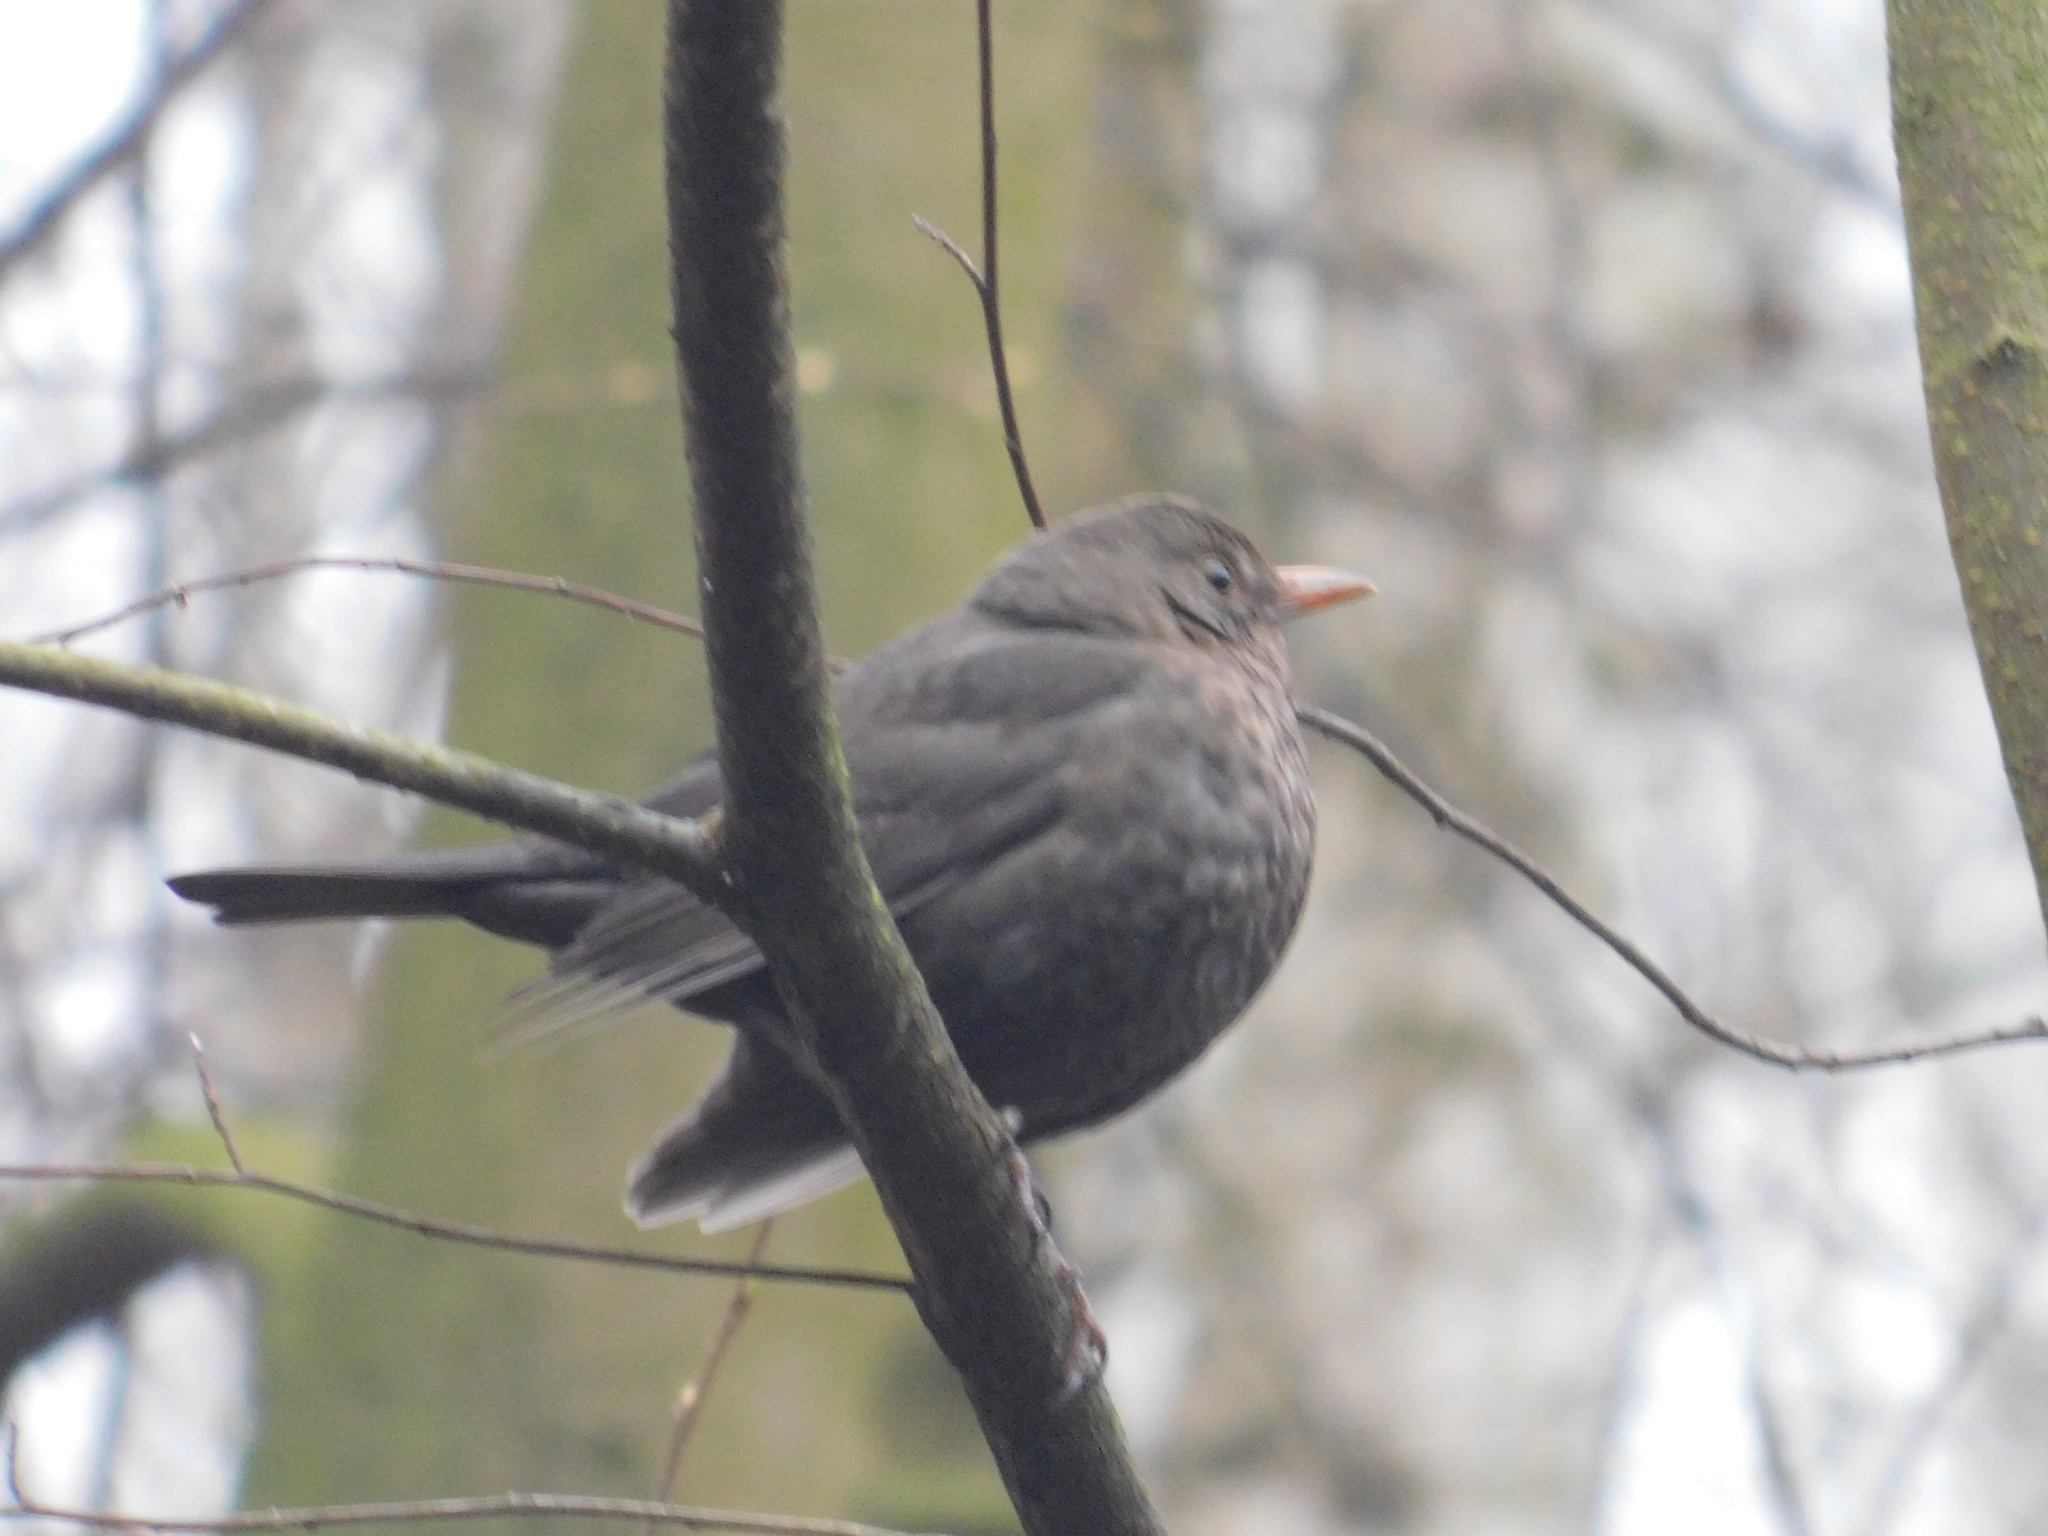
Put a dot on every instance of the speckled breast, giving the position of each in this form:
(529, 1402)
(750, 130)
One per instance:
(1183, 857)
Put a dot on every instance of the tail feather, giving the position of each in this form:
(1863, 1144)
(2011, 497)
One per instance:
(534, 892)
(761, 1140)
(728, 1197)
(287, 894)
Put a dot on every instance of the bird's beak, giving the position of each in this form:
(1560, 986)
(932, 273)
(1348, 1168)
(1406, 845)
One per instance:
(1305, 588)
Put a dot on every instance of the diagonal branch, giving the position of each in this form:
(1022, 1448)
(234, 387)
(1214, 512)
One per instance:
(990, 1285)
(1336, 727)
(1797, 1057)
(988, 284)
(689, 1406)
(261, 410)
(127, 136)
(684, 851)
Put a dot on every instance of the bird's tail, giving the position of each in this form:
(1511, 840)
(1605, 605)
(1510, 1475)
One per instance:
(523, 890)
(761, 1140)
(299, 893)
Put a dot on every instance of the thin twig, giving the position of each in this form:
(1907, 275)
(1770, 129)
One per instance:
(689, 1407)
(180, 593)
(413, 1511)
(984, 277)
(220, 1122)
(572, 1506)
(991, 295)
(426, 1226)
(951, 247)
(121, 144)
(1796, 1057)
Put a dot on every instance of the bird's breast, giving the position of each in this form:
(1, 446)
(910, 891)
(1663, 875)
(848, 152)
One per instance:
(1157, 905)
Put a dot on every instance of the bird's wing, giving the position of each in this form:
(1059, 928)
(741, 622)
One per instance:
(955, 735)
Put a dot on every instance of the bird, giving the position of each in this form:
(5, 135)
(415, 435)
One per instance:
(1083, 793)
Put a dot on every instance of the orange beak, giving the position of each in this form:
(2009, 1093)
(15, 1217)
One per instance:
(1305, 588)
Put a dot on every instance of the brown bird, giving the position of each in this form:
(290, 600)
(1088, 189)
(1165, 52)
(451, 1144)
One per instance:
(1083, 794)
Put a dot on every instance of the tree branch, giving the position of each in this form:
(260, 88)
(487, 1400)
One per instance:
(570, 1506)
(1970, 117)
(180, 593)
(1797, 1057)
(259, 411)
(242, 1177)
(688, 1412)
(427, 1226)
(127, 136)
(683, 851)
(992, 1289)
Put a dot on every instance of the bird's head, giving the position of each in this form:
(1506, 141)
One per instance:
(1157, 567)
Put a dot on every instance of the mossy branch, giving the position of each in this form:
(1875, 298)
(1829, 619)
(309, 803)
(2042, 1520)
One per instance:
(1970, 115)
(684, 851)
(997, 1296)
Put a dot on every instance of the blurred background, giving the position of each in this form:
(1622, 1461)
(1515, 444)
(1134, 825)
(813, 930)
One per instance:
(1582, 325)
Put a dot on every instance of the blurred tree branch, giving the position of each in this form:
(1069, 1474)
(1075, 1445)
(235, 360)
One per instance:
(179, 593)
(83, 1262)
(128, 135)
(236, 422)
(547, 1506)
(1970, 117)
(180, 1174)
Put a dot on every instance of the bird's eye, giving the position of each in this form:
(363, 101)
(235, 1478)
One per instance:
(1219, 575)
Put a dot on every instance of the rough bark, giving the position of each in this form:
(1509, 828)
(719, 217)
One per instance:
(994, 1292)
(1970, 118)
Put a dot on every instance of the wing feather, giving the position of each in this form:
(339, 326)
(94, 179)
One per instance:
(955, 736)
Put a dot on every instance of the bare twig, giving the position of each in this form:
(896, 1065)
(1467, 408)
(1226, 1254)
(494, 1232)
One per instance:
(689, 1407)
(989, 287)
(426, 1226)
(127, 136)
(179, 593)
(556, 1506)
(984, 277)
(951, 247)
(1798, 1058)
(213, 1112)
(574, 1506)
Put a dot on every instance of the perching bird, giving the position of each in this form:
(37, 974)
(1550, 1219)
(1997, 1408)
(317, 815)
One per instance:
(1082, 792)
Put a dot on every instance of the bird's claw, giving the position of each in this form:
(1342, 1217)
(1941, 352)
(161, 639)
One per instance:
(1029, 1190)
(1087, 1353)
